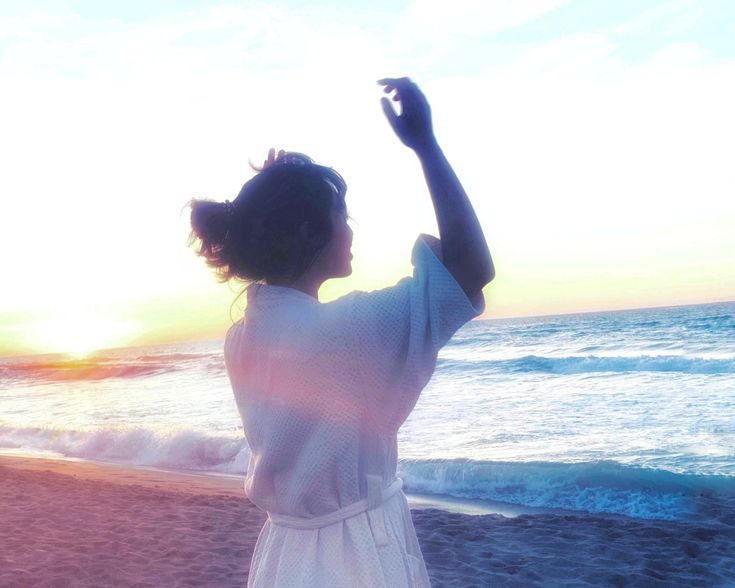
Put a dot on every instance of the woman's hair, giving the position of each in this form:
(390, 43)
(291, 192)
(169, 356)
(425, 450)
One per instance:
(275, 228)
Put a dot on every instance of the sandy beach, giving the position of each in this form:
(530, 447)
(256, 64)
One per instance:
(75, 523)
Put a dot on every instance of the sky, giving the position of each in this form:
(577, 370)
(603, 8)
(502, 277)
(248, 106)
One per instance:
(594, 139)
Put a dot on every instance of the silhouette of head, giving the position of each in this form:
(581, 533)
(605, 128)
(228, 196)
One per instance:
(277, 227)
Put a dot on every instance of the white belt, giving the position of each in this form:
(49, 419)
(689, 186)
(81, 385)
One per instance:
(375, 498)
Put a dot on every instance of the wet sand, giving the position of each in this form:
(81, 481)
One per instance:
(75, 523)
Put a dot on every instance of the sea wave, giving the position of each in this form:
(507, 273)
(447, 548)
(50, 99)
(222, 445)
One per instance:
(592, 363)
(182, 449)
(594, 487)
(100, 367)
(170, 357)
(80, 369)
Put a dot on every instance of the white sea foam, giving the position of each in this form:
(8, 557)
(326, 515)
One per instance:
(602, 487)
(579, 364)
(599, 487)
(182, 449)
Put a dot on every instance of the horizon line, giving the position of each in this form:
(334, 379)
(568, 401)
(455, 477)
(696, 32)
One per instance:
(95, 351)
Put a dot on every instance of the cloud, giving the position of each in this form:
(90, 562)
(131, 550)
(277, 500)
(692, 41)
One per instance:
(588, 52)
(667, 18)
(438, 18)
(677, 56)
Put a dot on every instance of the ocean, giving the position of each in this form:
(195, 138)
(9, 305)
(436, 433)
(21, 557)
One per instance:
(627, 412)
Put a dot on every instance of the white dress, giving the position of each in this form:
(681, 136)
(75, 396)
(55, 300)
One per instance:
(322, 389)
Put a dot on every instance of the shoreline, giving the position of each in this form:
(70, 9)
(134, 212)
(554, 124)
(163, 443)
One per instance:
(223, 484)
(214, 483)
(77, 523)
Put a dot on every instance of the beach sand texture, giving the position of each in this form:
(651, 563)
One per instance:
(66, 523)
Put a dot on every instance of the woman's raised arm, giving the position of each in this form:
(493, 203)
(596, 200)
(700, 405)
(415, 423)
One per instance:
(464, 249)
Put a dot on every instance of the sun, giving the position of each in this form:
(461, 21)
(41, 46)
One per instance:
(79, 334)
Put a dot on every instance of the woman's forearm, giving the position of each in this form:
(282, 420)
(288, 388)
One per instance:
(465, 251)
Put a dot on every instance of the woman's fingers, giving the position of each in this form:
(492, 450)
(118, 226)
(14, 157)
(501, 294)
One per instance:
(388, 89)
(413, 124)
(394, 81)
(396, 96)
(396, 84)
(399, 85)
(272, 157)
(390, 114)
(405, 90)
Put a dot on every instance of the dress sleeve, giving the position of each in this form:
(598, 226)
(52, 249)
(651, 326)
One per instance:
(397, 332)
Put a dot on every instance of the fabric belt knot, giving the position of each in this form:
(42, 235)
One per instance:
(376, 496)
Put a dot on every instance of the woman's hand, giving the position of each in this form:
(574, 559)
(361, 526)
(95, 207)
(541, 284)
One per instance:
(272, 157)
(413, 126)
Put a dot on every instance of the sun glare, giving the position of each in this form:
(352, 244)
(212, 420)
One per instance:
(78, 335)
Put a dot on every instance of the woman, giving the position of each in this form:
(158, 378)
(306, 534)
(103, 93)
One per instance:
(322, 388)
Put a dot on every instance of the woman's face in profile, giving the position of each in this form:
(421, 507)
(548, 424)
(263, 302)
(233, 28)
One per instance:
(339, 248)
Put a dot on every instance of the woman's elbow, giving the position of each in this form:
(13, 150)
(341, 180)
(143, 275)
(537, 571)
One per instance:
(488, 275)
(477, 283)
(471, 277)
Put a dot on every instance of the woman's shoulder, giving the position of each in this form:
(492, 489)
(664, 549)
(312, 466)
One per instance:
(233, 334)
(363, 300)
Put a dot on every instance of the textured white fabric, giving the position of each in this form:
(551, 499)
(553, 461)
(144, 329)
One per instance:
(322, 389)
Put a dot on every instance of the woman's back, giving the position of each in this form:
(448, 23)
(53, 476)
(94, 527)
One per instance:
(322, 390)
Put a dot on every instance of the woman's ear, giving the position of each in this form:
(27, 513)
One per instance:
(306, 235)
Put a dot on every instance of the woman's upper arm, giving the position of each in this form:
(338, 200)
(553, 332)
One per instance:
(396, 332)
